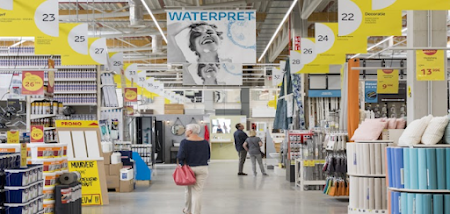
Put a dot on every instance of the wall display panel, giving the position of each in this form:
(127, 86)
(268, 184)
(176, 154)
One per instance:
(211, 36)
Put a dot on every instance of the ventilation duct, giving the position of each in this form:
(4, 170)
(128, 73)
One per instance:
(156, 43)
(136, 13)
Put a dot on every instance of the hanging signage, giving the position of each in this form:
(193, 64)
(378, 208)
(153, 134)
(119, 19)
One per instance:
(13, 137)
(72, 41)
(130, 95)
(430, 65)
(37, 134)
(29, 18)
(76, 124)
(277, 76)
(309, 55)
(206, 36)
(32, 82)
(387, 81)
(115, 62)
(297, 43)
(328, 41)
(97, 54)
(370, 91)
(90, 181)
(356, 18)
(410, 5)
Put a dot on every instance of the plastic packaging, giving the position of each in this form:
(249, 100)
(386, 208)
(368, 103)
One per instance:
(116, 158)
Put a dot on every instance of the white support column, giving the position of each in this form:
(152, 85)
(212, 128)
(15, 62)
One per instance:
(426, 97)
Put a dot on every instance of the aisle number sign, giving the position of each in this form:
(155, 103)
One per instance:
(430, 65)
(29, 18)
(356, 18)
(328, 41)
(297, 67)
(13, 137)
(37, 134)
(309, 55)
(32, 82)
(387, 81)
(130, 95)
(72, 40)
(90, 181)
(97, 54)
(411, 5)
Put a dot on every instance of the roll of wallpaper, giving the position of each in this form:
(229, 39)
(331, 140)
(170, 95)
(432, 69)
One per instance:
(447, 203)
(394, 202)
(372, 159)
(431, 169)
(359, 159)
(354, 189)
(422, 169)
(366, 157)
(410, 203)
(419, 204)
(377, 196)
(447, 168)
(440, 168)
(438, 204)
(351, 162)
(383, 158)
(398, 175)
(390, 165)
(413, 168)
(406, 171)
(378, 163)
(361, 193)
(404, 203)
(383, 194)
(427, 204)
(366, 193)
(371, 193)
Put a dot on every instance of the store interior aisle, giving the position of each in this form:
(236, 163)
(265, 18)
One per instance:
(224, 193)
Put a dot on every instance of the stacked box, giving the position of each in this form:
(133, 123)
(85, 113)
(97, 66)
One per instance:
(173, 109)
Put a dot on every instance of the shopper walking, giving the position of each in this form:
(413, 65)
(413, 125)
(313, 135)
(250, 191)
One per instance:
(252, 145)
(239, 139)
(195, 152)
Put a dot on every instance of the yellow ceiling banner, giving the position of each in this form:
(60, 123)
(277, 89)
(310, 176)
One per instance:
(29, 18)
(410, 5)
(328, 41)
(98, 54)
(308, 54)
(356, 18)
(430, 65)
(72, 40)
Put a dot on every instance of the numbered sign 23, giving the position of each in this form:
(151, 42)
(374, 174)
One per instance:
(387, 81)
(33, 82)
(130, 95)
(430, 65)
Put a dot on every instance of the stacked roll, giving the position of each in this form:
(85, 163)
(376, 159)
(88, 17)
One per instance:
(405, 203)
(366, 158)
(368, 193)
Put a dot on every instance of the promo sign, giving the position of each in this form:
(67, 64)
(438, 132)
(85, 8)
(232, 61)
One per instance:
(309, 55)
(430, 65)
(130, 95)
(32, 82)
(37, 134)
(356, 18)
(90, 181)
(206, 36)
(29, 18)
(76, 124)
(13, 137)
(387, 81)
(328, 41)
(411, 5)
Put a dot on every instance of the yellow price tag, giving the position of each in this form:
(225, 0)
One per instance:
(387, 81)
(430, 65)
(130, 94)
(13, 137)
(32, 82)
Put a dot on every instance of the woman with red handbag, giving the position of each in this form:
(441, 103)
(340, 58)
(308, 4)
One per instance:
(194, 153)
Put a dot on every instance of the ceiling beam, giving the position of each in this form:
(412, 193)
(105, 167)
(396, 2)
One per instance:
(323, 17)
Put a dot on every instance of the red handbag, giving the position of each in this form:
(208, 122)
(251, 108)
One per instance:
(184, 176)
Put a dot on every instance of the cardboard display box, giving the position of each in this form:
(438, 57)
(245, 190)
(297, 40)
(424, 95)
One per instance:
(107, 170)
(173, 111)
(107, 158)
(112, 182)
(173, 107)
(114, 169)
(127, 186)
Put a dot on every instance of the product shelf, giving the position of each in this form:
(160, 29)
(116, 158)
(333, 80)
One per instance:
(49, 128)
(76, 80)
(75, 92)
(366, 211)
(39, 116)
(420, 190)
(368, 176)
(80, 104)
(110, 108)
(427, 146)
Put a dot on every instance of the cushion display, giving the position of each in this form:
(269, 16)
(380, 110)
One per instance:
(391, 123)
(401, 123)
(413, 133)
(369, 130)
(435, 130)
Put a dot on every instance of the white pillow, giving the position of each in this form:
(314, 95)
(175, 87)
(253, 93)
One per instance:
(435, 130)
(414, 131)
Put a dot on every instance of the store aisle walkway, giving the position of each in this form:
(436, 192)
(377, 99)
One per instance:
(225, 193)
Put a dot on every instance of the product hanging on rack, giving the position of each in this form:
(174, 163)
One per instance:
(336, 164)
(109, 95)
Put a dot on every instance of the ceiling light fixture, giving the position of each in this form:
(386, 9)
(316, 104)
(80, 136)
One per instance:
(154, 20)
(278, 29)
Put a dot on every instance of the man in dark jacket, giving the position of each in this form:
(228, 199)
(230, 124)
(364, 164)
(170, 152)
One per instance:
(239, 139)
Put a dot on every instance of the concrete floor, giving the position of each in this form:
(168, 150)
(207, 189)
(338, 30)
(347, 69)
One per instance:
(224, 193)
